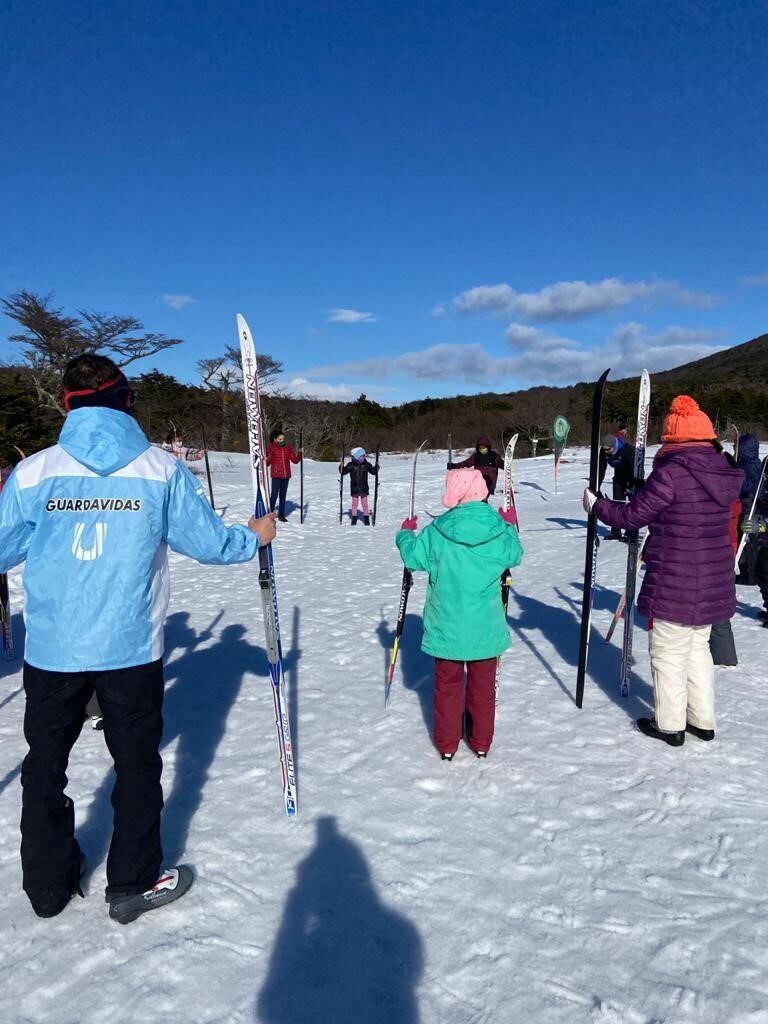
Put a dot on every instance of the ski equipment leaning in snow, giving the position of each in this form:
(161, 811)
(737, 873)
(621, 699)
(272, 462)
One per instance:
(590, 560)
(341, 484)
(267, 581)
(508, 505)
(376, 485)
(560, 431)
(301, 477)
(207, 465)
(405, 588)
(633, 536)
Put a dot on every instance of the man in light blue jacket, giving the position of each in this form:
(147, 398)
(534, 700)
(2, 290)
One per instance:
(93, 518)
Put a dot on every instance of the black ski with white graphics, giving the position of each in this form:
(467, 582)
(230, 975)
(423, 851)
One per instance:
(633, 551)
(590, 560)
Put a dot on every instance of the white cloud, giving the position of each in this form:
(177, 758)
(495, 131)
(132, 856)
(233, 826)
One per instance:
(537, 357)
(757, 280)
(573, 300)
(522, 337)
(350, 316)
(303, 388)
(177, 301)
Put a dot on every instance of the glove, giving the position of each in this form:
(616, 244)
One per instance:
(588, 500)
(753, 527)
(410, 524)
(449, 466)
(509, 516)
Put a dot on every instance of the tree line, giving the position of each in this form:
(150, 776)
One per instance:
(31, 411)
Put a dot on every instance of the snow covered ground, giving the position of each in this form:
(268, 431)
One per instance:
(582, 874)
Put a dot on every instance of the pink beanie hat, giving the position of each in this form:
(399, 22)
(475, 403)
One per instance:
(462, 485)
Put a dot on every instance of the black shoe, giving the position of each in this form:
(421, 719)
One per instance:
(282, 519)
(50, 904)
(170, 886)
(763, 615)
(353, 521)
(647, 726)
(481, 753)
(367, 521)
(702, 734)
(447, 757)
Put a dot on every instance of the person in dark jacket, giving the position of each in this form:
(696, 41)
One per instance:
(620, 456)
(689, 579)
(753, 564)
(358, 471)
(486, 460)
(279, 458)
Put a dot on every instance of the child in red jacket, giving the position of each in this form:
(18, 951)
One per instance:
(279, 458)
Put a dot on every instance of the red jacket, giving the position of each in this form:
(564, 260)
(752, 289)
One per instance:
(279, 459)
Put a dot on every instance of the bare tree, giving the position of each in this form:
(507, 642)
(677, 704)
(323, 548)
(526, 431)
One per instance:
(269, 368)
(50, 338)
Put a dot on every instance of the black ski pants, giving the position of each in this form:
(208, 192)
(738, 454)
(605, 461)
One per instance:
(277, 496)
(761, 572)
(131, 701)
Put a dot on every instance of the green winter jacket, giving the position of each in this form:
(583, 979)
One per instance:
(465, 552)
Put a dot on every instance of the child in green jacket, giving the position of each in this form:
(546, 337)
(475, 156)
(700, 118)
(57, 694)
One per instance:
(465, 552)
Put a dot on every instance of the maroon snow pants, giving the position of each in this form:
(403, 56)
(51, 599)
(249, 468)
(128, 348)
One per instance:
(453, 701)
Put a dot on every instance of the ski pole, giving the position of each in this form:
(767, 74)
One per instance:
(207, 465)
(301, 476)
(376, 486)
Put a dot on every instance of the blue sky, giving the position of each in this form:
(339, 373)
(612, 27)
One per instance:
(402, 198)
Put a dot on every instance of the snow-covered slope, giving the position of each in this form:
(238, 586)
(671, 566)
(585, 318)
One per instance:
(582, 874)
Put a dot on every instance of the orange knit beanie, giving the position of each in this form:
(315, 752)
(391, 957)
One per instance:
(685, 421)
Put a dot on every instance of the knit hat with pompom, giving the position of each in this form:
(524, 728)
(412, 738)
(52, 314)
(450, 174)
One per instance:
(685, 421)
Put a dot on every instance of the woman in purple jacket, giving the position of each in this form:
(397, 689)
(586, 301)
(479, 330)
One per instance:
(689, 578)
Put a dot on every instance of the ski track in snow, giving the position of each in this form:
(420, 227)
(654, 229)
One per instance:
(582, 874)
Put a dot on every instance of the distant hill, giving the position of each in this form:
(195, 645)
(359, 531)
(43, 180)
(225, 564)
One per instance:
(732, 386)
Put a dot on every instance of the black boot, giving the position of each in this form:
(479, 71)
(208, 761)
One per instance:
(353, 521)
(366, 520)
(702, 734)
(648, 727)
(51, 904)
(447, 757)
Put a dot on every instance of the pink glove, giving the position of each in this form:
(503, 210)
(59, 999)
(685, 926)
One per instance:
(410, 524)
(509, 516)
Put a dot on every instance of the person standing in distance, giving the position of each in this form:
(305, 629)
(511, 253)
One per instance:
(279, 458)
(486, 460)
(92, 518)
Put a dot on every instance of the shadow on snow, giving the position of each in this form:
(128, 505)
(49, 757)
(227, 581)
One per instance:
(414, 668)
(340, 955)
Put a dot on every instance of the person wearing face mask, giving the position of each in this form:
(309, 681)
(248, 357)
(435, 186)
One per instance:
(358, 471)
(486, 460)
(279, 458)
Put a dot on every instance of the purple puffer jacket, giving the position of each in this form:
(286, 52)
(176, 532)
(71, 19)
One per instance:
(686, 501)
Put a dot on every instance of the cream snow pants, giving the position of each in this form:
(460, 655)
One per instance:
(683, 676)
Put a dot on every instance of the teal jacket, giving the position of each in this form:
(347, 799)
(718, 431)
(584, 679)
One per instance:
(465, 552)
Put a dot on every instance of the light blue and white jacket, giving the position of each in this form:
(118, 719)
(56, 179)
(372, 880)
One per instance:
(94, 517)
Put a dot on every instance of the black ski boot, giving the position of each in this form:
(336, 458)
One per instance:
(170, 886)
(367, 521)
(447, 757)
(353, 521)
(50, 905)
(702, 734)
(648, 727)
